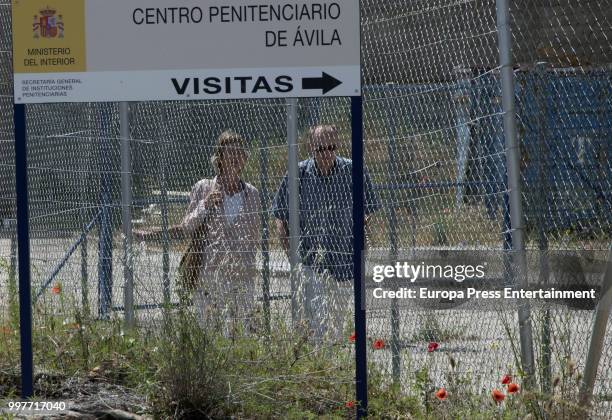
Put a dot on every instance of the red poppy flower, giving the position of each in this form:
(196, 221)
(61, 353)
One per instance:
(57, 289)
(350, 404)
(433, 346)
(441, 394)
(506, 379)
(512, 388)
(353, 337)
(378, 344)
(498, 396)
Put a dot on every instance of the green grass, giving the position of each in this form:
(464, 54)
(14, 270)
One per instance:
(185, 371)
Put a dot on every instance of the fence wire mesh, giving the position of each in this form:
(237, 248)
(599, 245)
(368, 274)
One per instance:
(436, 157)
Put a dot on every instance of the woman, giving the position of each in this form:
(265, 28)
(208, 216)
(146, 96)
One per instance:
(224, 213)
(223, 225)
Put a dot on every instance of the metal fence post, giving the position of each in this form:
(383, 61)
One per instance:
(126, 213)
(396, 361)
(105, 246)
(294, 209)
(161, 156)
(514, 186)
(265, 243)
(84, 244)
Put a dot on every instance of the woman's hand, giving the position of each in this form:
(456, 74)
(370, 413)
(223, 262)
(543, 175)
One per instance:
(213, 200)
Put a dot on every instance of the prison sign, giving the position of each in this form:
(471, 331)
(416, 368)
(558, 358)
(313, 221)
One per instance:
(137, 50)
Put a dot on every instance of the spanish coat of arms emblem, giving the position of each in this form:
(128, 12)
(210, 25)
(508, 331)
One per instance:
(48, 25)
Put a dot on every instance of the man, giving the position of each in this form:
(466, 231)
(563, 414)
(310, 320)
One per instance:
(326, 230)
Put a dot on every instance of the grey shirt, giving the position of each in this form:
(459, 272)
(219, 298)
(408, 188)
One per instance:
(326, 216)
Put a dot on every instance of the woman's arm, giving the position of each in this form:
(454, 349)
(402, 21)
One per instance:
(196, 211)
(156, 234)
(205, 199)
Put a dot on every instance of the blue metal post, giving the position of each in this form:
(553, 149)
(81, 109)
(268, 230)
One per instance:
(23, 238)
(361, 365)
(105, 246)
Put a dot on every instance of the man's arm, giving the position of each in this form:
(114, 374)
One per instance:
(283, 234)
(280, 210)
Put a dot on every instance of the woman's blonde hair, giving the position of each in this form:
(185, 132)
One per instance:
(229, 139)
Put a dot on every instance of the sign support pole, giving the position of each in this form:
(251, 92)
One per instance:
(23, 238)
(361, 365)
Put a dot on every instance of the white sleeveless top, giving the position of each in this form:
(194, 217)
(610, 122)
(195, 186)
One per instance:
(232, 205)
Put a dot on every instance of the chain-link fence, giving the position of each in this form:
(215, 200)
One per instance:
(435, 154)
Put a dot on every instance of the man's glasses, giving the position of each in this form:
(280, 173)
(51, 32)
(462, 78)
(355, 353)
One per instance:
(329, 148)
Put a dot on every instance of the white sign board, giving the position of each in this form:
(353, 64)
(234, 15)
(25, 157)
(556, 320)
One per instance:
(138, 50)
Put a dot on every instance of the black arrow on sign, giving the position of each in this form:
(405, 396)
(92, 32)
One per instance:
(325, 82)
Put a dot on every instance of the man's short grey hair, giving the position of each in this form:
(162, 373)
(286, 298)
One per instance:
(323, 130)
